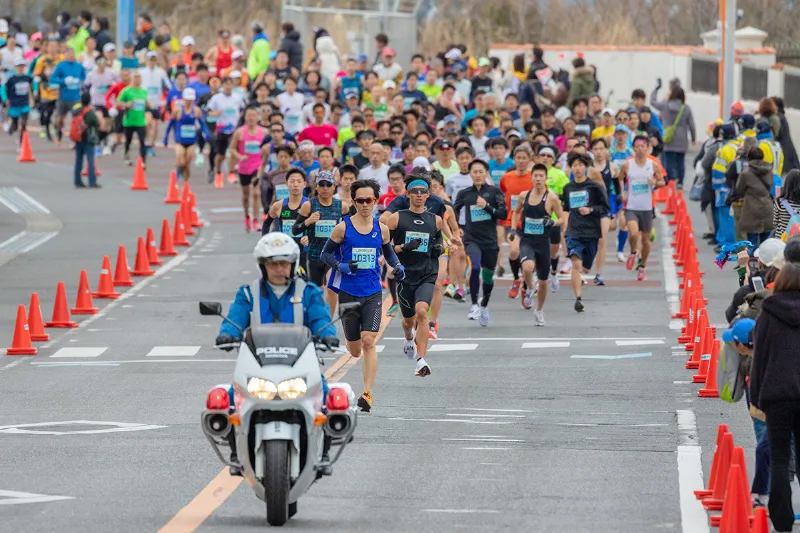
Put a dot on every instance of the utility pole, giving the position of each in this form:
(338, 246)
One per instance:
(727, 17)
(126, 19)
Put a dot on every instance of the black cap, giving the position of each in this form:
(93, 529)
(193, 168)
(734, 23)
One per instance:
(645, 109)
(444, 144)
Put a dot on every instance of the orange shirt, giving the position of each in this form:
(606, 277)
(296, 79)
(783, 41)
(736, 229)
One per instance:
(512, 184)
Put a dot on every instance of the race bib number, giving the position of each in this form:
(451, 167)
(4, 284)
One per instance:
(252, 147)
(424, 237)
(73, 85)
(102, 90)
(21, 88)
(578, 199)
(230, 112)
(139, 105)
(188, 131)
(514, 202)
(292, 122)
(153, 91)
(534, 226)
(364, 256)
(640, 188)
(324, 228)
(282, 192)
(478, 214)
(286, 226)
(353, 151)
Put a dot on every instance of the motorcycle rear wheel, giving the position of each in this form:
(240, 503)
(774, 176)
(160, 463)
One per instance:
(276, 482)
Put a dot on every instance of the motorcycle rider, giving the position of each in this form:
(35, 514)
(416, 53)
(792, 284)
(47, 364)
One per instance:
(278, 258)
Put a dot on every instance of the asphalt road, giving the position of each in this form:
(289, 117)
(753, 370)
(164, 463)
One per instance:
(512, 431)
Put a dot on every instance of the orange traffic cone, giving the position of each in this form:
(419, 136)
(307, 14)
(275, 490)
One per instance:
(714, 502)
(701, 494)
(734, 517)
(705, 356)
(142, 266)
(760, 523)
(21, 343)
(173, 192)
(704, 342)
(152, 252)
(61, 310)
(122, 278)
(195, 217)
(691, 322)
(185, 192)
(219, 183)
(166, 248)
(711, 390)
(35, 325)
(685, 300)
(186, 215)
(83, 303)
(179, 235)
(25, 153)
(139, 181)
(105, 287)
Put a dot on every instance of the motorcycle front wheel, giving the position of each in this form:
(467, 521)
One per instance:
(276, 482)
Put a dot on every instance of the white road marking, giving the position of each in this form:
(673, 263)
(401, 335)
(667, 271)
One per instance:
(479, 415)
(112, 427)
(690, 474)
(499, 423)
(379, 347)
(487, 448)
(612, 357)
(18, 201)
(534, 339)
(80, 352)
(496, 410)
(25, 241)
(461, 511)
(483, 440)
(545, 344)
(451, 347)
(12, 497)
(232, 360)
(225, 209)
(55, 365)
(642, 342)
(173, 351)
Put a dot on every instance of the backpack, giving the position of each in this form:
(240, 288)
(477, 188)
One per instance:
(793, 227)
(78, 126)
(730, 378)
(669, 131)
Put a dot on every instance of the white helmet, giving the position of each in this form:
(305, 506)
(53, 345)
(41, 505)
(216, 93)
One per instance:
(276, 246)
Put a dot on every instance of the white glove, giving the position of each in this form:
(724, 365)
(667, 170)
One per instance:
(113, 112)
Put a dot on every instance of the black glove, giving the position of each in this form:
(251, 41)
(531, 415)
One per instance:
(330, 342)
(412, 245)
(658, 83)
(399, 272)
(225, 339)
(512, 234)
(549, 223)
(436, 251)
(348, 267)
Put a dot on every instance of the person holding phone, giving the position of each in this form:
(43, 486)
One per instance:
(764, 264)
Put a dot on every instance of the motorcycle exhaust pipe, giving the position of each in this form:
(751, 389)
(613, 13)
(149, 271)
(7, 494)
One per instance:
(216, 424)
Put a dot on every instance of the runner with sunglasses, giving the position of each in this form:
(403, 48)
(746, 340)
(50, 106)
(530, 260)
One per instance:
(417, 239)
(352, 252)
(316, 220)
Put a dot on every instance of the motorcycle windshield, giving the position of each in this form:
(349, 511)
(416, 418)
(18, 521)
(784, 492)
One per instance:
(277, 344)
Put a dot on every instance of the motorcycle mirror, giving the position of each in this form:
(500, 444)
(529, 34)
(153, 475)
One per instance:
(213, 308)
(349, 308)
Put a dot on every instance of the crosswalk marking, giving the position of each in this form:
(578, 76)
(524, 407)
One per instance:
(639, 342)
(79, 352)
(379, 347)
(173, 351)
(451, 347)
(545, 344)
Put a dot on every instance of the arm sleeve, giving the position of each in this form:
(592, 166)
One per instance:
(299, 227)
(327, 254)
(170, 125)
(499, 209)
(203, 128)
(317, 313)
(238, 313)
(388, 253)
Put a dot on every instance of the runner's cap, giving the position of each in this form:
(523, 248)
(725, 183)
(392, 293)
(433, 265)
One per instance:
(128, 44)
(108, 47)
(484, 62)
(187, 40)
(607, 111)
(741, 331)
(645, 109)
(421, 161)
(440, 125)
(454, 54)
(325, 175)
(621, 127)
(238, 54)
(769, 251)
(188, 94)
(444, 144)
(36, 36)
(450, 119)
(151, 55)
(388, 52)
(547, 151)
(362, 58)
(224, 34)
(737, 109)
(389, 84)
(19, 62)
(306, 144)
(235, 74)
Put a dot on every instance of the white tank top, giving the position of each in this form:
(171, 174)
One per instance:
(640, 197)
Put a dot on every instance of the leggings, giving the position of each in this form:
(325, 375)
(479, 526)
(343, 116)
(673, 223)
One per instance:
(46, 110)
(140, 132)
(18, 124)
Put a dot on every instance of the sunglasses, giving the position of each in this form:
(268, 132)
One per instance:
(397, 133)
(418, 191)
(324, 184)
(365, 201)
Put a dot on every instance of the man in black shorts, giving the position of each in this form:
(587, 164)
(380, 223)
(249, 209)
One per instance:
(534, 210)
(484, 206)
(417, 240)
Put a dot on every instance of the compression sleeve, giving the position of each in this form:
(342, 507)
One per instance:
(266, 227)
(299, 227)
(389, 255)
(327, 254)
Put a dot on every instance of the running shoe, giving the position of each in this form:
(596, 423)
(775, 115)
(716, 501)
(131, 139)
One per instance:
(393, 309)
(423, 369)
(450, 290)
(631, 262)
(620, 257)
(599, 281)
(232, 178)
(459, 295)
(484, 316)
(500, 271)
(98, 151)
(365, 401)
(641, 276)
(247, 224)
(554, 283)
(567, 268)
(42, 135)
(106, 150)
(474, 312)
(538, 317)
(257, 225)
(432, 335)
(384, 284)
(527, 299)
(653, 235)
(513, 292)
(199, 159)
(579, 306)
(410, 348)
(150, 151)
(127, 161)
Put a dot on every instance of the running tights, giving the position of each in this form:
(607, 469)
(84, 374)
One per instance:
(476, 276)
(515, 266)
(46, 110)
(140, 134)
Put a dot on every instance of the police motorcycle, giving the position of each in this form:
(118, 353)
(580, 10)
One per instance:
(277, 416)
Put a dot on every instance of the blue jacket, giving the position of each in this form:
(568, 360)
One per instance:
(68, 69)
(316, 312)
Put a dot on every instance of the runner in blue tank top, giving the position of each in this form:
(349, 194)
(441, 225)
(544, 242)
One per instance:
(358, 241)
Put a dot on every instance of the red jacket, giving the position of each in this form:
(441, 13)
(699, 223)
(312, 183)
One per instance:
(114, 91)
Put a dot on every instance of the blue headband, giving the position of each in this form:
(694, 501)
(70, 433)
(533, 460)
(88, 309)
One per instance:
(417, 183)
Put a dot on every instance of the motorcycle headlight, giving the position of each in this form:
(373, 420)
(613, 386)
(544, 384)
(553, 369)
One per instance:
(291, 389)
(261, 388)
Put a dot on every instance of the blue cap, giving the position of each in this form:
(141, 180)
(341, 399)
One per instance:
(362, 58)
(741, 331)
(450, 118)
(621, 127)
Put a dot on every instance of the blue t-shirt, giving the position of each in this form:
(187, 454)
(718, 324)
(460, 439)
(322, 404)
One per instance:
(350, 86)
(412, 96)
(497, 169)
(366, 249)
(18, 89)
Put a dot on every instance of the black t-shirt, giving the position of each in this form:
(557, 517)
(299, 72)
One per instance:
(417, 263)
(590, 194)
(481, 222)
